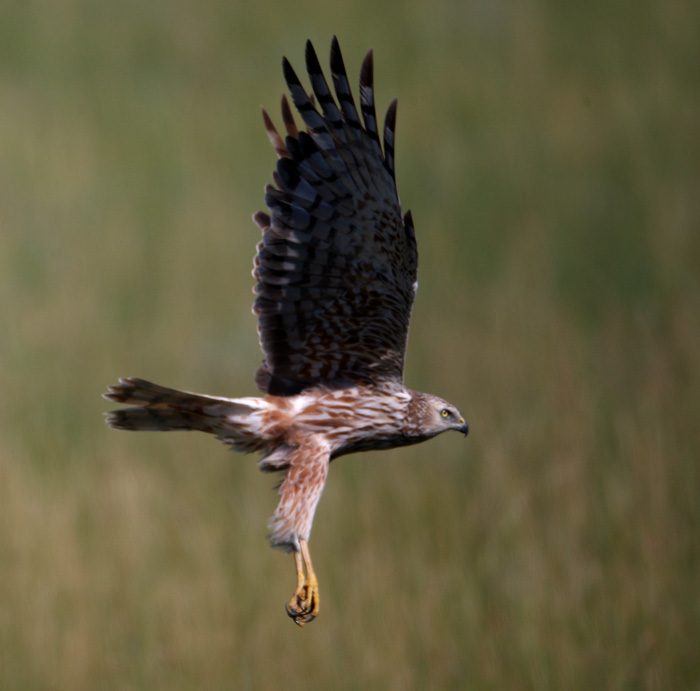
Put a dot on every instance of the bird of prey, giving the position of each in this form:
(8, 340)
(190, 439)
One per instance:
(336, 273)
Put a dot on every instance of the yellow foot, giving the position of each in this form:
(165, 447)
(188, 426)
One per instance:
(303, 607)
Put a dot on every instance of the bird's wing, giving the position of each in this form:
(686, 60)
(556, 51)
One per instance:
(337, 263)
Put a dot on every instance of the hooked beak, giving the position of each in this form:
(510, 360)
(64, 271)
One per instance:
(464, 429)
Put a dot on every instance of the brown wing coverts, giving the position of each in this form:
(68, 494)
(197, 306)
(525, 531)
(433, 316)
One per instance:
(337, 264)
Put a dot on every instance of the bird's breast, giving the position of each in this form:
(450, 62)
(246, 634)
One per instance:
(356, 419)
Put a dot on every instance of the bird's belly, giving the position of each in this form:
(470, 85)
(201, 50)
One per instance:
(355, 420)
(351, 434)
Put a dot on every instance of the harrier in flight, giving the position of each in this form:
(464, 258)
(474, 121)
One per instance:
(336, 277)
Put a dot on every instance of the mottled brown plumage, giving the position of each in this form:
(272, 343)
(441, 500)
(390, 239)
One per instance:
(336, 277)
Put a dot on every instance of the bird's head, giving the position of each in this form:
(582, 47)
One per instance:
(437, 415)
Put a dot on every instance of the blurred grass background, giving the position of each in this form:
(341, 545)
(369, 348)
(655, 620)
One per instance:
(550, 153)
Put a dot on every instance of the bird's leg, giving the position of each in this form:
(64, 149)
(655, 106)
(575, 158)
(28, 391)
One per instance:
(303, 607)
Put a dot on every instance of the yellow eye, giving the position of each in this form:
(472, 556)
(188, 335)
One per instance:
(445, 412)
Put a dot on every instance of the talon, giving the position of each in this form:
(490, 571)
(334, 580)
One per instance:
(303, 607)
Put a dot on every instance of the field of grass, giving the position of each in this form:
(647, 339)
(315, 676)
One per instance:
(550, 153)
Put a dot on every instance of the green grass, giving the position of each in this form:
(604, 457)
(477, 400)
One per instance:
(550, 156)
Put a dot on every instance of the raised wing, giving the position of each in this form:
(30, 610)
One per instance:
(337, 264)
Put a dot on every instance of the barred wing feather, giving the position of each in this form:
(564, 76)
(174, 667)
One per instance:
(337, 263)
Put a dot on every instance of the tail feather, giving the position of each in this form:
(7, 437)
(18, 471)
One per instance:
(159, 408)
(155, 420)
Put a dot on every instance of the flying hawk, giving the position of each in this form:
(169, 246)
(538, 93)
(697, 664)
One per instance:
(336, 271)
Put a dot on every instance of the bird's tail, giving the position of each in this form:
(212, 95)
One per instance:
(159, 408)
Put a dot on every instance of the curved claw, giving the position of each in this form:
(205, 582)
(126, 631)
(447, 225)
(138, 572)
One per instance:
(303, 607)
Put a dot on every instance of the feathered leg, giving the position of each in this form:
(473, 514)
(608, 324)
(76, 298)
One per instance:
(291, 524)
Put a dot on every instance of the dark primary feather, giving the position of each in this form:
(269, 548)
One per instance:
(337, 264)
